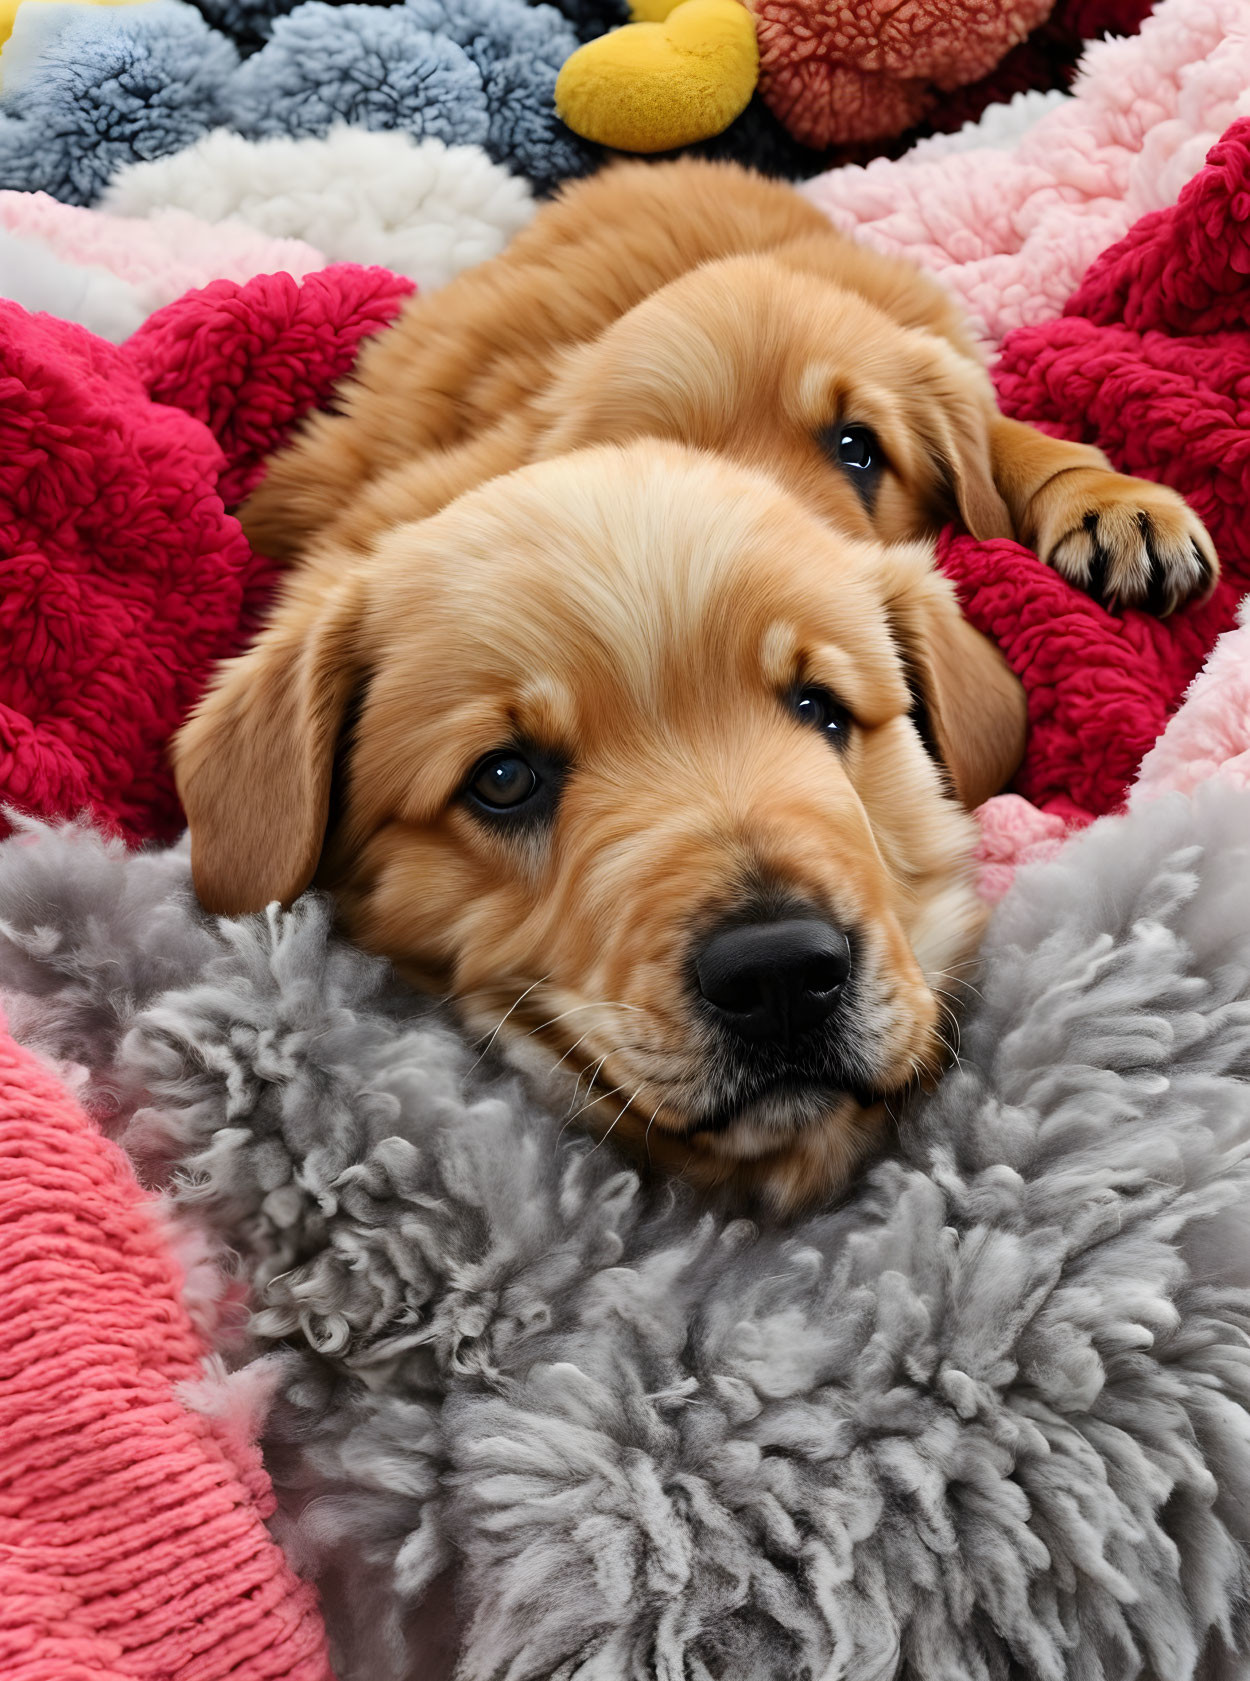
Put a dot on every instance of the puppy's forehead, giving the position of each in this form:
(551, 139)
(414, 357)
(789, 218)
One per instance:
(635, 570)
(726, 335)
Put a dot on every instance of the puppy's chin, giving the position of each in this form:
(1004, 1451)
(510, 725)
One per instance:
(783, 1151)
(772, 1121)
(787, 1153)
(816, 1164)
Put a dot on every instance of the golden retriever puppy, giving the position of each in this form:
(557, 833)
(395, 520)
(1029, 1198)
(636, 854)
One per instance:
(701, 303)
(655, 773)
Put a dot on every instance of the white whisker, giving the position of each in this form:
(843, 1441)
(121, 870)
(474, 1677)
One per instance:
(596, 1097)
(515, 1002)
(591, 1004)
(624, 1106)
(593, 1078)
(573, 1047)
(646, 1137)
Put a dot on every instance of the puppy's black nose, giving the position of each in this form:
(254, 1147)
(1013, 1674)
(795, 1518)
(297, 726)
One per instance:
(773, 981)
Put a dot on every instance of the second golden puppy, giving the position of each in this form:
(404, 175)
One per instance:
(651, 771)
(701, 303)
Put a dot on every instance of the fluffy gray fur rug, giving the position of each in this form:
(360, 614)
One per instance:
(988, 1419)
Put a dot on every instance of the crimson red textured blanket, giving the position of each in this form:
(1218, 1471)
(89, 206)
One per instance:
(124, 577)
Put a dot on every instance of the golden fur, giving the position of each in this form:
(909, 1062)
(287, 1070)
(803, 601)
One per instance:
(582, 502)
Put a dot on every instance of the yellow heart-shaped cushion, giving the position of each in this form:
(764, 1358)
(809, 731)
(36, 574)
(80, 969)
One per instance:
(651, 86)
(651, 11)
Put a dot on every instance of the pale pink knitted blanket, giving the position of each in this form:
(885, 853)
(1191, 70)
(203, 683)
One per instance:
(1210, 735)
(132, 1538)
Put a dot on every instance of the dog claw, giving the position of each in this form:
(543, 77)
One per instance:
(1127, 556)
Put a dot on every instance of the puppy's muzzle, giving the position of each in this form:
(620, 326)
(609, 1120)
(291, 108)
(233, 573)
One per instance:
(773, 983)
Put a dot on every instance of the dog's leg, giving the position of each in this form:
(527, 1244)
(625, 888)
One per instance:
(1127, 541)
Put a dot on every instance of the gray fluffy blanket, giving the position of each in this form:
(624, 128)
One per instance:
(987, 1419)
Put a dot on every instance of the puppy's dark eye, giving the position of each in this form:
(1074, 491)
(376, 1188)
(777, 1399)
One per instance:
(504, 782)
(857, 452)
(819, 711)
(857, 448)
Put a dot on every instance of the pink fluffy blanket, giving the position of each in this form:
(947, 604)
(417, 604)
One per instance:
(1013, 230)
(1150, 360)
(110, 272)
(123, 578)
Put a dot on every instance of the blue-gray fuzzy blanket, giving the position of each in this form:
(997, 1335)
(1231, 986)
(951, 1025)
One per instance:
(987, 1419)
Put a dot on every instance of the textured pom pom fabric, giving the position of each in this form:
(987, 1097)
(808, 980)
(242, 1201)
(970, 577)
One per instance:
(88, 90)
(367, 65)
(415, 206)
(110, 88)
(835, 73)
(664, 81)
(110, 272)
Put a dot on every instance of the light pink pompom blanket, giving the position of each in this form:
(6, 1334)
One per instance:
(168, 253)
(109, 273)
(1012, 232)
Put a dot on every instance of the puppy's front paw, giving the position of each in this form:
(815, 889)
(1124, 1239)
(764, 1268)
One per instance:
(1127, 542)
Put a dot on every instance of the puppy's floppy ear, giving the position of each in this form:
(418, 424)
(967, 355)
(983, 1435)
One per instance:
(953, 407)
(969, 706)
(253, 764)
